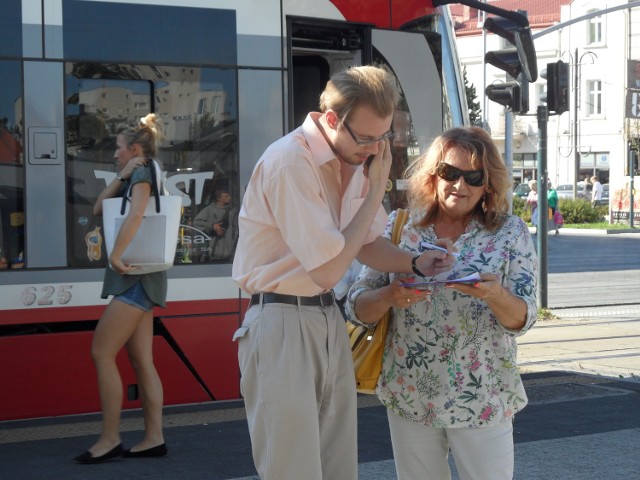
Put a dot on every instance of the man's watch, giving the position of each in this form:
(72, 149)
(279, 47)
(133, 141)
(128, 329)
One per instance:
(119, 177)
(415, 268)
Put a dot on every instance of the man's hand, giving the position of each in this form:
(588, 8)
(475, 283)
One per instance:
(217, 227)
(377, 170)
(433, 262)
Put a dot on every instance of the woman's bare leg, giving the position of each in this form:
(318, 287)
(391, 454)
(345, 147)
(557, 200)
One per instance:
(140, 350)
(115, 327)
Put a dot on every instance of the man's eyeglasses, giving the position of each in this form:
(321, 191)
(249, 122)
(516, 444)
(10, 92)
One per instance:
(370, 141)
(447, 172)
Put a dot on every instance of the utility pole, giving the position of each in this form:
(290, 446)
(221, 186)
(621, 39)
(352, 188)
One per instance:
(576, 125)
(543, 206)
(631, 195)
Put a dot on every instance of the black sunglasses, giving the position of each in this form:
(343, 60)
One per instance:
(447, 172)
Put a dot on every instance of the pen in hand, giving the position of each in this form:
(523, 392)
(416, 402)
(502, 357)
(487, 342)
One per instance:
(430, 246)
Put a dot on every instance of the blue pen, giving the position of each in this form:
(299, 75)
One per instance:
(430, 246)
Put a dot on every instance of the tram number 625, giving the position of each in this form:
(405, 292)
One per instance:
(46, 295)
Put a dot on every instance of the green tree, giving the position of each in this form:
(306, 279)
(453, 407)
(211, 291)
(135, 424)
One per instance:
(475, 112)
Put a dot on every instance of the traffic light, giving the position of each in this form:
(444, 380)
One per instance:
(519, 62)
(522, 58)
(557, 76)
(507, 94)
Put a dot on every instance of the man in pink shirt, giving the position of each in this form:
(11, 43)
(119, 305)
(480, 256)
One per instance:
(312, 205)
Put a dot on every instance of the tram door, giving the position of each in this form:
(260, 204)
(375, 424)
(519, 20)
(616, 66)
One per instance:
(317, 50)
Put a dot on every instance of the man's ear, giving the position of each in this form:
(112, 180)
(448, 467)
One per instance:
(332, 119)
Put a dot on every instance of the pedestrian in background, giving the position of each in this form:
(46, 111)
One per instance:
(552, 202)
(450, 378)
(596, 193)
(312, 205)
(219, 221)
(128, 319)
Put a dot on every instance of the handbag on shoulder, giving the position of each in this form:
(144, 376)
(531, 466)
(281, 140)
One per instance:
(154, 246)
(367, 343)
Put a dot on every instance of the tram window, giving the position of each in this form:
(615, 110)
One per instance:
(199, 152)
(11, 30)
(11, 168)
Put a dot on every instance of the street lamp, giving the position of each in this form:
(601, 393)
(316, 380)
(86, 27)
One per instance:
(576, 125)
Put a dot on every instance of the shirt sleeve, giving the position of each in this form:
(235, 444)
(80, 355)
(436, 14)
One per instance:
(140, 174)
(522, 272)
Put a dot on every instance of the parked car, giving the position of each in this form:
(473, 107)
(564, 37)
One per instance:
(522, 190)
(566, 190)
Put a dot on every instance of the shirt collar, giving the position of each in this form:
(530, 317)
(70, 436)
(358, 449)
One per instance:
(320, 147)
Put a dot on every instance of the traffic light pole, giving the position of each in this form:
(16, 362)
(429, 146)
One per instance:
(508, 151)
(632, 172)
(543, 206)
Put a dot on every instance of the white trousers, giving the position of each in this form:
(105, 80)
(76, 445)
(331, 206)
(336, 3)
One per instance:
(421, 452)
(299, 392)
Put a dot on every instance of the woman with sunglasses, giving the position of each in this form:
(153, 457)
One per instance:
(450, 379)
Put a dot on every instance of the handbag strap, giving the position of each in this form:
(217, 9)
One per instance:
(402, 215)
(151, 163)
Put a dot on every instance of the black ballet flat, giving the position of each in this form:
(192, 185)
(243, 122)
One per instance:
(87, 458)
(157, 451)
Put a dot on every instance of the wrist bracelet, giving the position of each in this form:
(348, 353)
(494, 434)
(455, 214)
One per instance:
(415, 268)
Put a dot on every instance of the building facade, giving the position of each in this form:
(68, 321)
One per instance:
(593, 137)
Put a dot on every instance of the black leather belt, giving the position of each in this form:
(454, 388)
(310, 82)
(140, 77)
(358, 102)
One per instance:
(322, 300)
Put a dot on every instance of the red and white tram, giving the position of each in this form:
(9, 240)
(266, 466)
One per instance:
(227, 79)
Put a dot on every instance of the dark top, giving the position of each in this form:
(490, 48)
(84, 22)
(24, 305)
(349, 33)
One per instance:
(154, 284)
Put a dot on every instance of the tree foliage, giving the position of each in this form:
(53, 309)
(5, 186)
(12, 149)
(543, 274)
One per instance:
(475, 112)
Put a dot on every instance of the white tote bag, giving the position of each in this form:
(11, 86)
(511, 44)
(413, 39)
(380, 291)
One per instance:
(154, 246)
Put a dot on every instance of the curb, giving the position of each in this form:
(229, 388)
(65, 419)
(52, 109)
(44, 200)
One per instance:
(589, 231)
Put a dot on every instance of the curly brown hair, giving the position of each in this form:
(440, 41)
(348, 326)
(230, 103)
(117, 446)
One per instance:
(483, 153)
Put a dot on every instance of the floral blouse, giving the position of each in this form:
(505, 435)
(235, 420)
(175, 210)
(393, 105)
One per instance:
(448, 362)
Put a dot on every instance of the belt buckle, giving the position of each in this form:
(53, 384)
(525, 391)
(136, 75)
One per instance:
(331, 294)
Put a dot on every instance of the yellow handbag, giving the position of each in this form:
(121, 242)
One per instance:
(367, 343)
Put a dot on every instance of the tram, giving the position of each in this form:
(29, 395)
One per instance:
(227, 79)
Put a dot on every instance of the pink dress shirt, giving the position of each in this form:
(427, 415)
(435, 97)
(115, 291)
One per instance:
(293, 213)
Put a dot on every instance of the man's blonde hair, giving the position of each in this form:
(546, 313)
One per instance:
(370, 85)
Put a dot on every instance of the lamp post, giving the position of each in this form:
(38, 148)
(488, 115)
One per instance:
(576, 123)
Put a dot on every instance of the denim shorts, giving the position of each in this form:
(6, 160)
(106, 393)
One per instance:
(136, 297)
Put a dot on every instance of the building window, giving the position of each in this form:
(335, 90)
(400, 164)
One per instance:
(594, 32)
(594, 98)
(202, 106)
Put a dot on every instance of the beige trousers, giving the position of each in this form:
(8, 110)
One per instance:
(299, 392)
(421, 452)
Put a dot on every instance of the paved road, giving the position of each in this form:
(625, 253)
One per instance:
(581, 375)
(593, 270)
(576, 427)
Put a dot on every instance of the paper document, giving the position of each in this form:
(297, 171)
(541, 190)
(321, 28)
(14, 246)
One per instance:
(473, 278)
